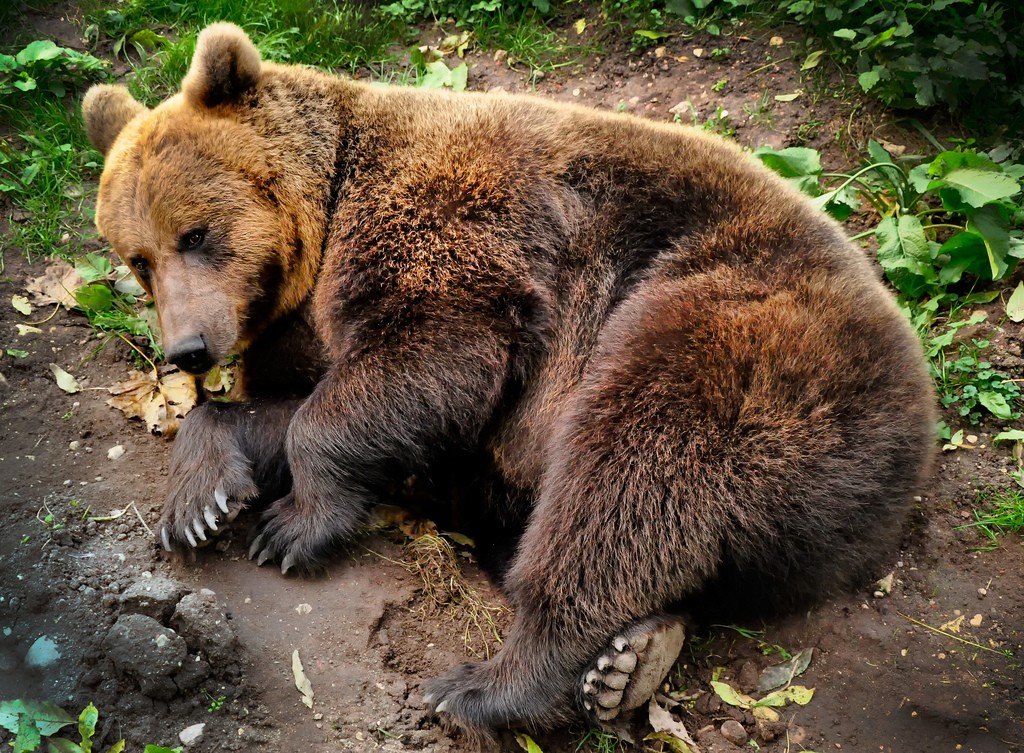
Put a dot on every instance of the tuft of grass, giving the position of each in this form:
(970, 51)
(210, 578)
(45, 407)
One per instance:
(446, 591)
(599, 741)
(1003, 514)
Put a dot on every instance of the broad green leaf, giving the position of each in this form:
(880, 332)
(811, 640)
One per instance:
(996, 404)
(117, 747)
(904, 254)
(793, 694)
(526, 743)
(967, 253)
(845, 34)
(29, 737)
(878, 153)
(62, 745)
(15, 353)
(868, 79)
(992, 223)
(1012, 435)
(42, 49)
(673, 743)
(655, 35)
(812, 60)
(50, 718)
(93, 267)
(1015, 306)
(791, 162)
(87, 726)
(978, 187)
(96, 297)
(730, 695)
(458, 78)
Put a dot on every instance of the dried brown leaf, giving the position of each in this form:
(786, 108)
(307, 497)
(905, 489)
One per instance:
(160, 402)
(56, 285)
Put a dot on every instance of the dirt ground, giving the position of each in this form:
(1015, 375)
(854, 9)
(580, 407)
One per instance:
(156, 661)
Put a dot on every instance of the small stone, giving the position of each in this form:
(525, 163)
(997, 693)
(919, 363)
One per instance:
(115, 452)
(733, 732)
(500, 56)
(74, 445)
(776, 41)
(42, 654)
(576, 92)
(982, 593)
(698, 52)
(660, 52)
(976, 620)
(192, 735)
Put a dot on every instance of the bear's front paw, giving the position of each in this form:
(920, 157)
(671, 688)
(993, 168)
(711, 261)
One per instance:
(211, 482)
(299, 537)
(468, 697)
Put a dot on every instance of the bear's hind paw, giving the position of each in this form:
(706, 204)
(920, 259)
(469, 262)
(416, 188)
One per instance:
(629, 671)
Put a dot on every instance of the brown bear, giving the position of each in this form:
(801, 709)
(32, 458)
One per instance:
(662, 375)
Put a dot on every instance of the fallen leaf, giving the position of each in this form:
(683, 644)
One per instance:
(64, 380)
(301, 681)
(885, 584)
(782, 674)
(409, 523)
(1015, 306)
(27, 329)
(219, 379)
(675, 745)
(953, 626)
(526, 743)
(787, 97)
(21, 304)
(794, 693)
(56, 285)
(580, 25)
(15, 353)
(812, 60)
(732, 696)
(663, 722)
(160, 402)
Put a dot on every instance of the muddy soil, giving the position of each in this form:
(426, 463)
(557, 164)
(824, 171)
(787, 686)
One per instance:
(160, 644)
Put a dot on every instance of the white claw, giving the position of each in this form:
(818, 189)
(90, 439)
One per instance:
(620, 643)
(221, 498)
(255, 546)
(197, 526)
(589, 688)
(190, 537)
(264, 556)
(603, 662)
(588, 705)
(287, 564)
(441, 707)
(211, 519)
(166, 538)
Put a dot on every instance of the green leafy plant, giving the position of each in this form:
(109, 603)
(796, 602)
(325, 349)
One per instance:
(32, 722)
(969, 384)
(110, 299)
(1003, 513)
(922, 52)
(44, 66)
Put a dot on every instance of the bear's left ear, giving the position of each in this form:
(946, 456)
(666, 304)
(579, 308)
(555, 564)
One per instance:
(225, 66)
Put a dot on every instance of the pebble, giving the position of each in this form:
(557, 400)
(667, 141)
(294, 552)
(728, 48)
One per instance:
(74, 444)
(976, 620)
(733, 732)
(982, 593)
(115, 452)
(43, 653)
(192, 735)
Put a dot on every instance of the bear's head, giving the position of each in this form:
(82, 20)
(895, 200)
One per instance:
(187, 199)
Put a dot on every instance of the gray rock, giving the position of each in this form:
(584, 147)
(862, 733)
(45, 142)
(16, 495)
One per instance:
(733, 732)
(154, 597)
(200, 619)
(144, 649)
(192, 735)
(43, 653)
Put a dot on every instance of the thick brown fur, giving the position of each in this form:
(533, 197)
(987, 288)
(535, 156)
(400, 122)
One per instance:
(669, 368)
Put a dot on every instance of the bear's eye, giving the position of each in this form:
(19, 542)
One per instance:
(140, 265)
(193, 239)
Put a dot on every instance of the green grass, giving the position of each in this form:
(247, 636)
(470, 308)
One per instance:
(1002, 513)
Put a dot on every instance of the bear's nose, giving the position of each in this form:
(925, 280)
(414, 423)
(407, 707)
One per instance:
(191, 355)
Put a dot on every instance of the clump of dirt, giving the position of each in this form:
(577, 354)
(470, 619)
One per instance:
(161, 644)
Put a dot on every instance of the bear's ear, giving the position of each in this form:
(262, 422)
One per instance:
(226, 65)
(107, 110)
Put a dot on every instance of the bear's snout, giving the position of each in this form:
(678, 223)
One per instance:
(191, 354)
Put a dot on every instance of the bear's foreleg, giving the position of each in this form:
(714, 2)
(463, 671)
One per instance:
(225, 456)
(369, 421)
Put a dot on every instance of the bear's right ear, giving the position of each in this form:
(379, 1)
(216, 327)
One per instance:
(225, 66)
(107, 110)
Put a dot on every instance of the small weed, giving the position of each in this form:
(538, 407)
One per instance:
(761, 111)
(808, 130)
(766, 648)
(598, 741)
(720, 85)
(721, 54)
(719, 123)
(970, 384)
(1003, 513)
(216, 703)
